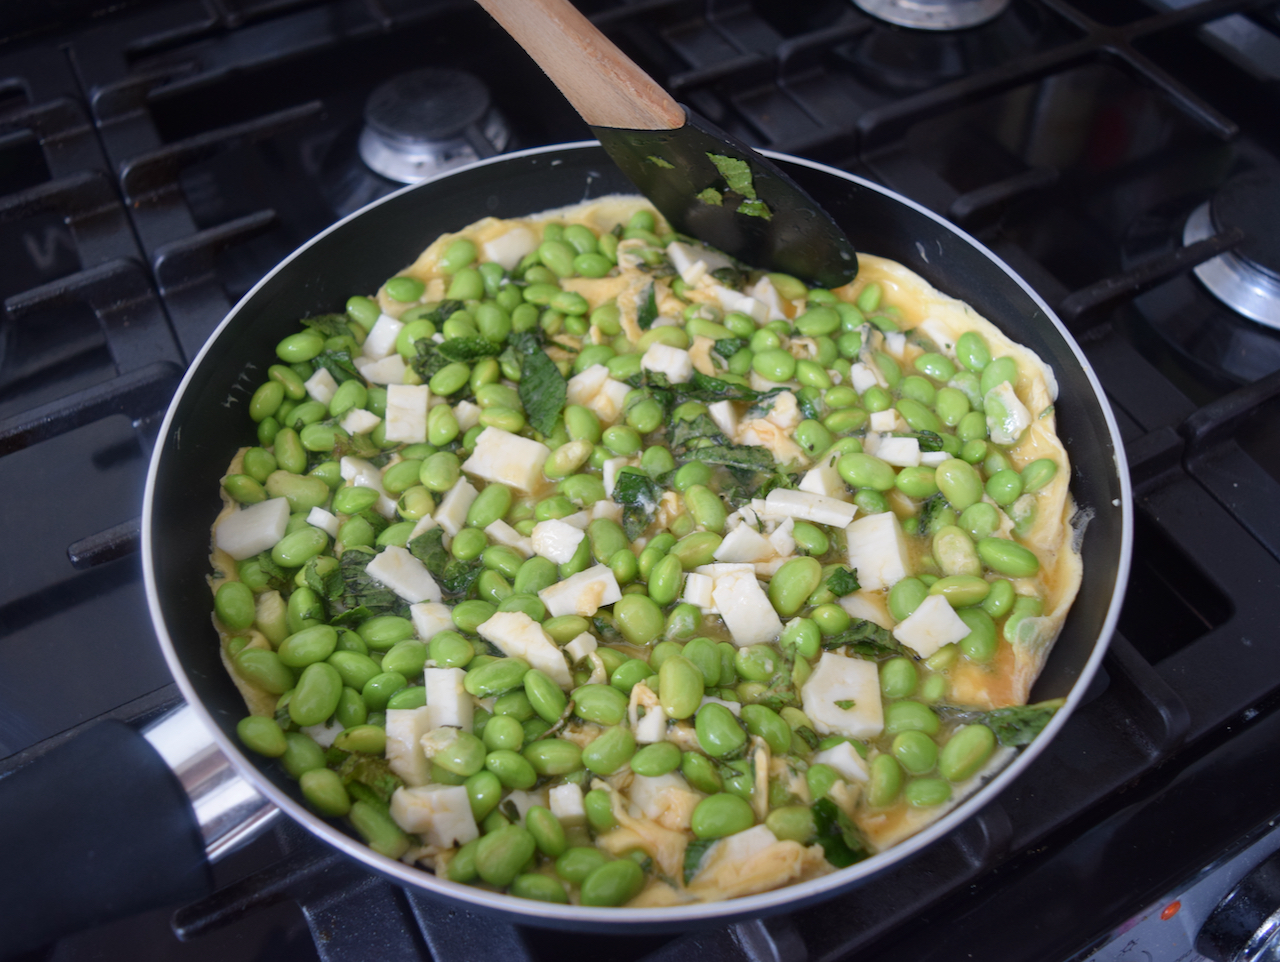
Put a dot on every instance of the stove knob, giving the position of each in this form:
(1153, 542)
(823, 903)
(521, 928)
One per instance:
(1245, 926)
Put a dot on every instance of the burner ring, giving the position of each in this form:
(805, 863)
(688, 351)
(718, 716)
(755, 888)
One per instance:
(934, 14)
(1241, 285)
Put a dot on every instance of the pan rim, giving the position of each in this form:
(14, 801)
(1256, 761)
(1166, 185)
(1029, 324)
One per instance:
(791, 897)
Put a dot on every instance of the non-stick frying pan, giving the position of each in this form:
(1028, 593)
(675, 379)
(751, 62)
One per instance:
(207, 422)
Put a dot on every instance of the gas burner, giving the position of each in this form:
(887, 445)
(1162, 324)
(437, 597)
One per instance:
(425, 122)
(1247, 279)
(934, 14)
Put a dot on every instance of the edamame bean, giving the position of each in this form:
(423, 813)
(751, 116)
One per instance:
(1008, 557)
(980, 520)
(961, 591)
(793, 583)
(1004, 487)
(999, 600)
(792, 823)
(656, 759)
(610, 751)
(503, 732)
(954, 552)
(546, 697)
(264, 669)
(369, 739)
(718, 731)
(301, 754)
(234, 605)
(885, 781)
(769, 725)
(866, 471)
(901, 716)
(681, 687)
(905, 597)
(722, 814)
(534, 575)
(496, 677)
(915, 751)
(262, 735)
(981, 643)
(601, 704)
(308, 646)
(502, 853)
(1037, 474)
(639, 619)
(926, 792)
(612, 883)
(316, 696)
(553, 756)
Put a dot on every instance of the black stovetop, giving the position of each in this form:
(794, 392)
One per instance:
(157, 158)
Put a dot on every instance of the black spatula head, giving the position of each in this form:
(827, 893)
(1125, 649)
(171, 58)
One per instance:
(715, 188)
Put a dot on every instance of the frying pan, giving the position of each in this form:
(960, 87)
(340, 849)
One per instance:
(207, 422)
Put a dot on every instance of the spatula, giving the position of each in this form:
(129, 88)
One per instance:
(706, 183)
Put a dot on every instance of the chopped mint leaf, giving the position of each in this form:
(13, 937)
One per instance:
(843, 582)
(639, 496)
(330, 325)
(647, 312)
(736, 173)
(660, 162)
(844, 704)
(755, 208)
(841, 842)
(711, 196)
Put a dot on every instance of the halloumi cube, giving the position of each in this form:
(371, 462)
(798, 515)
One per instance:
(855, 685)
(509, 249)
(360, 473)
(900, 452)
(878, 550)
(404, 574)
(381, 339)
(324, 520)
(933, 624)
(508, 459)
(440, 813)
(725, 416)
(674, 362)
(745, 609)
(253, 529)
(321, 386)
(805, 506)
(825, 480)
(844, 758)
(448, 703)
(697, 590)
(452, 512)
(519, 636)
(359, 421)
(745, 544)
(884, 421)
(430, 618)
(407, 412)
(556, 540)
(405, 757)
(566, 802)
(466, 414)
(500, 532)
(862, 377)
(582, 594)
(782, 539)
(581, 647)
(390, 370)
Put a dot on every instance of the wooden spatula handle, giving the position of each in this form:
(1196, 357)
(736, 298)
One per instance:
(601, 82)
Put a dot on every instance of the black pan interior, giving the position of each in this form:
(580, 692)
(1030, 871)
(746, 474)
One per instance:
(210, 421)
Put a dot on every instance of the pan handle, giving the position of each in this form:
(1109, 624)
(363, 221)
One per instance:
(103, 827)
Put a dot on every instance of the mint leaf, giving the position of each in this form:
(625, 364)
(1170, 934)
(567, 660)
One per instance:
(736, 173)
(710, 196)
(865, 638)
(843, 582)
(337, 363)
(639, 496)
(841, 842)
(330, 325)
(543, 391)
(694, 853)
(1013, 726)
(362, 597)
(660, 162)
(469, 349)
(647, 311)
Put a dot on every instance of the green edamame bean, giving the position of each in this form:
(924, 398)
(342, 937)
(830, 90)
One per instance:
(706, 507)
(262, 735)
(266, 400)
(612, 884)
(917, 482)
(601, 704)
(981, 643)
(1004, 487)
(545, 696)
(959, 483)
(919, 389)
(316, 696)
(610, 751)
(470, 615)
(383, 631)
(656, 759)
(234, 605)
(355, 668)
(972, 351)
(503, 732)
(639, 619)
(1008, 557)
(406, 657)
(308, 646)
(722, 814)
(926, 792)
(496, 677)
(502, 854)
(377, 691)
(700, 772)
(961, 591)
(289, 452)
(696, 549)
(263, 669)
(980, 520)
(599, 808)
(774, 364)
(905, 597)
(369, 739)
(1037, 474)
(901, 716)
(703, 654)
(866, 471)
(512, 769)
(681, 687)
(534, 575)
(998, 371)
(484, 792)
(564, 628)
(665, 580)
(999, 601)
(553, 756)
(915, 751)
(630, 673)
(691, 474)
(718, 731)
(548, 833)
(763, 721)
(954, 552)
(301, 754)
(804, 635)
(793, 583)
(885, 781)
(756, 663)
(300, 347)
(792, 823)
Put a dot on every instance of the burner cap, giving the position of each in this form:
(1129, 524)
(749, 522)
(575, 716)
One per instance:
(934, 14)
(426, 121)
(1246, 279)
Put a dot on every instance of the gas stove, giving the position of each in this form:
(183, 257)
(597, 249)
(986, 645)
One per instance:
(158, 157)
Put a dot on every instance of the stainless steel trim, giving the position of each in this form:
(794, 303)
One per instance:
(1233, 280)
(934, 14)
(229, 810)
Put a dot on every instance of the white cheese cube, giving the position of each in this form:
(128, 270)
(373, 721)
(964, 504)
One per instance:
(732, 300)
(767, 569)
(508, 459)
(253, 529)
(871, 443)
(806, 506)
(424, 525)
(895, 342)
(733, 706)
(579, 520)
(697, 589)
(565, 802)
(933, 458)
(324, 520)
(938, 332)
(609, 400)
(933, 624)
(381, 339)
(844, 758)
(674, 362)
(582, 594)
(764, 292)
(430, 618)
(745, 609)
(652, 727)
(604, 508)
(725, 416)
(404, 574)
(868, 606)
(321, 386)
(878, 550)
(782, 539)
(731, 856)
(523, 801)
(519, 636)
(884, 421)
(683, 256)
(745, 544)
(721, 568)
(1007, 417)
(324, 734)
(509, 249)
(467, 415)
(862, 377)
(359, 421)
(900, 452)
(407, 412)
(650, 794)
(825, 480)
(852, 683)
(500, 532)
(581, 647)
(555, 540)
(448, 703)
(452, 512)
(585, 385)
(440, 813)
(390, 370)
(405, 728)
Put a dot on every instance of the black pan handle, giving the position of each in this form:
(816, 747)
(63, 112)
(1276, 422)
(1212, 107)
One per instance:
(97, 829)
